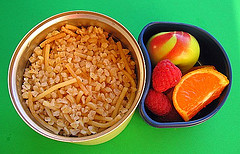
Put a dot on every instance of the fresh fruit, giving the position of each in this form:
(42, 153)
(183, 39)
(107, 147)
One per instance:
(196, 90)
(179, 47)
(169, 93)
(158, 103)
(172, 116)
(198, 67)
(202, 66)
(165, 75)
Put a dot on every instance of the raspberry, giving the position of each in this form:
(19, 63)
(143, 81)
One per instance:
(165, 75)
(172, 116)
(158, 103)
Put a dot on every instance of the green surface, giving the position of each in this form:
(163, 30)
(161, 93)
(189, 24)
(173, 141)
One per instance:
(219, 134)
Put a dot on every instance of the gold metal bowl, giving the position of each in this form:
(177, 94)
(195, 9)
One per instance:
(37, 35)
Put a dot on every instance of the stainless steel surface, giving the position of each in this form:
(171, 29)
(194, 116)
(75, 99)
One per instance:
(37, 34)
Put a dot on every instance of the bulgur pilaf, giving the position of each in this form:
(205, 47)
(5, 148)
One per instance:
(79, 81)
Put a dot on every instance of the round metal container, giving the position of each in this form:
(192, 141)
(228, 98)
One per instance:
(37, 35)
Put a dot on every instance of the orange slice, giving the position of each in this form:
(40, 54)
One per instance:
(196, 90)
(199, 67)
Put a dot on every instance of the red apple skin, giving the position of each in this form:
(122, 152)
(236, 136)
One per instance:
(181, 48)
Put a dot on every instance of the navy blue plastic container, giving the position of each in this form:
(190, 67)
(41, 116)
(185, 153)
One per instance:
(211, 53)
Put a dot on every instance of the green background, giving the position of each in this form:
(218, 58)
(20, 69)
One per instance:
(220, 134)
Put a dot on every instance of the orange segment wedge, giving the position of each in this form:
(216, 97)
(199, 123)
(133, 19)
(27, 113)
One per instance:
(196, 90)
(199, 67)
